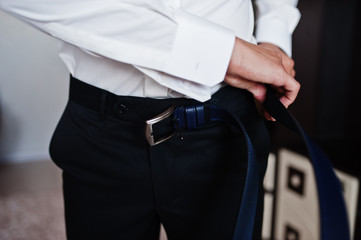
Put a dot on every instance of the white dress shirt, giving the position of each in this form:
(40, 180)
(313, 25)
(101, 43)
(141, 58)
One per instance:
(156, 48)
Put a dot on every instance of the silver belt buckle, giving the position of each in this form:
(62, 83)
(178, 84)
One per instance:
(149, 127)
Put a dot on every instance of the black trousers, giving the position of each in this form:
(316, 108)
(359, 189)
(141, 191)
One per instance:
(116, 186)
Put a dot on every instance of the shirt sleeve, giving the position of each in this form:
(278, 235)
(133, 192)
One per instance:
(149, 34)
(276, 21)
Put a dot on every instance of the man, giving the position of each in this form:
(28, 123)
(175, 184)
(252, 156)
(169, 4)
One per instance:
(133, 60)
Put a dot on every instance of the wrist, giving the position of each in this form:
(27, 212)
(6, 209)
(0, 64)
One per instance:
(236, 57)
(271, 46)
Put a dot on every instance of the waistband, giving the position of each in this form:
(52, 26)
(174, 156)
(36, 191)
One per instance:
(106, 103)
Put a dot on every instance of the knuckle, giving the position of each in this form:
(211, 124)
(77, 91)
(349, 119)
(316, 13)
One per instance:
(278, 55)
(281, 77)
(289, 64)
(292, 62)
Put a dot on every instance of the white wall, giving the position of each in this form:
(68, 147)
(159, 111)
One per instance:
(33, 91)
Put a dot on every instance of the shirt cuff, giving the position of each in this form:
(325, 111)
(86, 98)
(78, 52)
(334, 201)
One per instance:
(275, 31)
(278, 29)
(201, 51)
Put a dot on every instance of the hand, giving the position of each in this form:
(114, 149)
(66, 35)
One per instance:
(253, 65)
(288, 65)
(287, 62)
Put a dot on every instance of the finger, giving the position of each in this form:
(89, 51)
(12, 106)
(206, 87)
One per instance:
(293, 73)
(268, 117)
(257, 89)
(286, 86)
(291, 89)
(288, 64)
(261, 110)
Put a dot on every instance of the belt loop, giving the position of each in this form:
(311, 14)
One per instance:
(102, 105)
